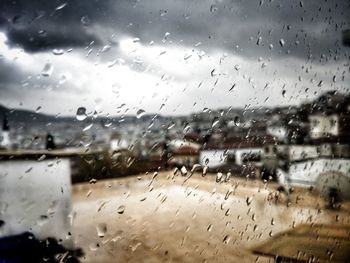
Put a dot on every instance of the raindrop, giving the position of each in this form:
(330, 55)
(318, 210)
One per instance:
(57, 52)
(93, 181)
(140, 113)
(218, 177)
(232, 88)
(187, 127)
(105, 48)
(228, 176)
(28, 170)
(81, 114)
(237, 121)
(226, 239)
(88, 127)
(210, 227)
(258, 42)
(41, 158)
(228, 193)
(213, 8)
(163, 12)
(37, 110)
(282, 43)
(249, 200)
(253, 217)
(215, 122)
(161, 106)
(195, 167)
(61, 6)
(272, 221)
(47, 70)
(213, 73)
(85, 20)
(43, 219)
(205, 169)
(101, 230)
(62, 80)
(183, 171)
(187, 56)
(171, 125)
(237, 67)
(121, 209)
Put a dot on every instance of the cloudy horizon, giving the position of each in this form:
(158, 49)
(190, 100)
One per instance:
(169, 57)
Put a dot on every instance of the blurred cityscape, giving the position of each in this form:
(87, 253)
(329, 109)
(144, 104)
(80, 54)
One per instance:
(234, 140)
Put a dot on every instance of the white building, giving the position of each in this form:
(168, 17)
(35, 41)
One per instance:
(324, 125)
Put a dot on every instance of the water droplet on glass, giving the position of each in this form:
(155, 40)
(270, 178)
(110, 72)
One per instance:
(237, 121)
(47, 70)
(258, 42)
(272, 221)
(228, 176)
(249, 200)
(81, 114)
(88, 127)
(37, 110)
(43, 219)
(228, 193)
(205, 169)
(282, 43)
(105, 48)
(58, 52)
(213, 73)
(213, 8)
(195, 167)
(219, 177)
(210, 227)
(85, 20)
(171, 125)
(183, 171)
(61, 6)
(226, 239)
(232, 88)
(101, 230)
(121, 209)
(140, 113)
(215, 122)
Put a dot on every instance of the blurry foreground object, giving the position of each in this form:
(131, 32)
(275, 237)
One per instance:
(27, 248)
(35, 209)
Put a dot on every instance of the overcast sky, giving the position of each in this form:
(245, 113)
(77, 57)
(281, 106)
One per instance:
(167, 56)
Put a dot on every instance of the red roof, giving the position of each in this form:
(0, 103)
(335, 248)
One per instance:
(186, 150)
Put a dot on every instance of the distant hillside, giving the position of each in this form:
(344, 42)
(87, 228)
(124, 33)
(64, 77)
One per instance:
(18, 115)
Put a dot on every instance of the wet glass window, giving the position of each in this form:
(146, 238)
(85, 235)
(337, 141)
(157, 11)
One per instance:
(174, 131)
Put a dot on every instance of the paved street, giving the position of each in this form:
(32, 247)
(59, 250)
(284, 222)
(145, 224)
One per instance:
(137, 219)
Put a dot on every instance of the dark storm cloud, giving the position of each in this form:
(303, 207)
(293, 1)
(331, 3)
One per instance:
(250, 28)
(40, 25)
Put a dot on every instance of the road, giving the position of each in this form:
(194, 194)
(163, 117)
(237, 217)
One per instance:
(170, 219)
